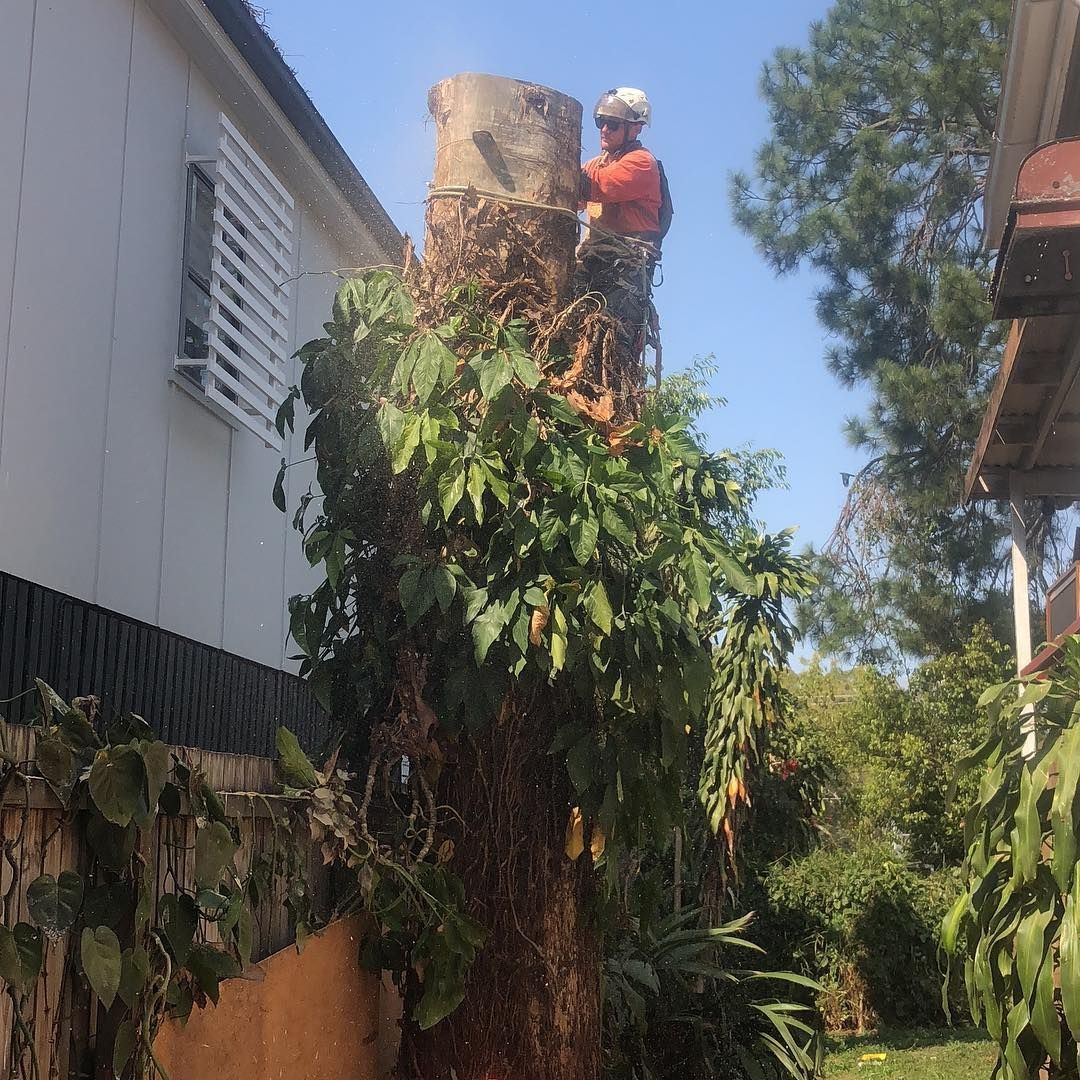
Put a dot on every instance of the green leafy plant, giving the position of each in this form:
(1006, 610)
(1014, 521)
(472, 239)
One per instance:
(676, 1006)
(864, 924)
(1016, 926)
(119, 786)
(496, 542)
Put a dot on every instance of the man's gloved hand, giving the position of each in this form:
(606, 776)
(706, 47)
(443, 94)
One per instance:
(586, 186)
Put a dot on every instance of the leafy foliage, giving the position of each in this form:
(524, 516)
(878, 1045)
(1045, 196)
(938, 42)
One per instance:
(1015, 926)
(487, 538)
(889, 749)
(154, 962)
(873, 176)
(674, 1007)
(864, 924)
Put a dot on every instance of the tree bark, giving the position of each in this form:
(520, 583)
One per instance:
(532, 1004)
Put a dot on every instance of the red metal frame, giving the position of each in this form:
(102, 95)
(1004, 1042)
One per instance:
(1038, 266)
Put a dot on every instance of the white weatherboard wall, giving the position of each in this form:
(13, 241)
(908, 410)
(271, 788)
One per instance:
(116, 486)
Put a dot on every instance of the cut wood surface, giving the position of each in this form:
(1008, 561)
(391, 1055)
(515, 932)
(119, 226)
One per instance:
(522, 143)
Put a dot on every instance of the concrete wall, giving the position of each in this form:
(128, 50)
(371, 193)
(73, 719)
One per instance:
(316, 1016)
(115, 485)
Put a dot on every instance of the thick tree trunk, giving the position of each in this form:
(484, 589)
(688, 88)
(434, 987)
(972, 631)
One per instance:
(532, 1005)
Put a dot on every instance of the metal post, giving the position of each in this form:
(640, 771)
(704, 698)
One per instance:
(1021, 596)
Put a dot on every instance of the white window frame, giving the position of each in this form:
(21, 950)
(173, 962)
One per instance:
(244, 375)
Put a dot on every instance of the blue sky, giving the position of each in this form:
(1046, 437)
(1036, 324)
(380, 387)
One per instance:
(368, 68)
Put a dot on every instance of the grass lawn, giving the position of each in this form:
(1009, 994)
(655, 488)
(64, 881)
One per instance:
(919, 1054)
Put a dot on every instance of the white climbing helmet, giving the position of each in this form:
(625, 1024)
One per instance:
(625, 103)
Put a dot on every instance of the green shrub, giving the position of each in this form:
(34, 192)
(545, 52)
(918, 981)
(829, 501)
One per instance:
(864, 924)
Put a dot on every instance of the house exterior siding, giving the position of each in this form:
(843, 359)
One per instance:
(117, 487)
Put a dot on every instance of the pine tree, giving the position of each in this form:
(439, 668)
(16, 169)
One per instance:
(873, 176)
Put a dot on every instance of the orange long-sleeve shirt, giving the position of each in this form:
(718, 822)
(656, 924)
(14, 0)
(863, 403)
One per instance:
(624, 193)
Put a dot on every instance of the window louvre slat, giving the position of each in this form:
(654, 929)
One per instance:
(254, 256)
(243, 177)
(279, 265)
(270, 178)
(249, 327)
(260, 425)
(239, 285)
(251, 281)
(271, 369)
(282, 245)
(255, 396)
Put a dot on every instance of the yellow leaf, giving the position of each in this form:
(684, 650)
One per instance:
(446, 852)
(575, 835)
(597, 841)
(537, 623)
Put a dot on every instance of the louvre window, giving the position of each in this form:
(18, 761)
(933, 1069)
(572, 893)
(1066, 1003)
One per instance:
(238, 257)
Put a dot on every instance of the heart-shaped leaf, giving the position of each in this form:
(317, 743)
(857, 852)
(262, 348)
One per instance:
(102, 962)
(214, 849)
(293, 763)
(54, 902)
(20, 956)
(106, 905)
(118, 783)
(56, 763)
(123, 1045)
(210, 966)
(157, 761)
(180, 917)
(113, 844)
(134, 971)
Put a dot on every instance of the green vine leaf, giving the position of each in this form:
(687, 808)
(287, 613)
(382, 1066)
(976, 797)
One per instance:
(214, 850)
(113, 844)
(106, 905)
(179, 917)
(598, 606)
(118, 783)
(210, 966)
(56, 763)
(123, 1045)
(279, 488)
(584, 532)
(20, 956)
(157, 760)
(51, 701)
(102, 963)
(54, 902)
(292, 763)
(134, 971)
(486, 629)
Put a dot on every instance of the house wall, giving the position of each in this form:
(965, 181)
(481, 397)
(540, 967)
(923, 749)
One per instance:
(116, 486)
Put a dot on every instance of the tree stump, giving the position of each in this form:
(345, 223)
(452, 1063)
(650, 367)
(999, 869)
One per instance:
(514, 141)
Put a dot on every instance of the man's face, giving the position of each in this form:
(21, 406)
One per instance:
(613, 133)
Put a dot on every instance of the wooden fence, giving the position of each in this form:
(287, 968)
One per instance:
(50, 839)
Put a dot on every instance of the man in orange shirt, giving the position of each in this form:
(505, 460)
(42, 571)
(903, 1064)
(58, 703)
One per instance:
(624, 191)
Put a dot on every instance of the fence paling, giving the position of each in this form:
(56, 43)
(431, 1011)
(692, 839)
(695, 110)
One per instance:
(64, 1010)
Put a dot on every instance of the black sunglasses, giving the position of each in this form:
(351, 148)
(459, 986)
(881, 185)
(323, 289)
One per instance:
(608, 122)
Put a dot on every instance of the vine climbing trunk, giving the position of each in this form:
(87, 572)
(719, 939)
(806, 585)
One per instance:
(501, 213)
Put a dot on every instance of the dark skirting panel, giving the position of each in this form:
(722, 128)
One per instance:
(190, 693)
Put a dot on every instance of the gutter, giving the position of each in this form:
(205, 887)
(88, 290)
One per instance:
(1042, 36)
(261, 54)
